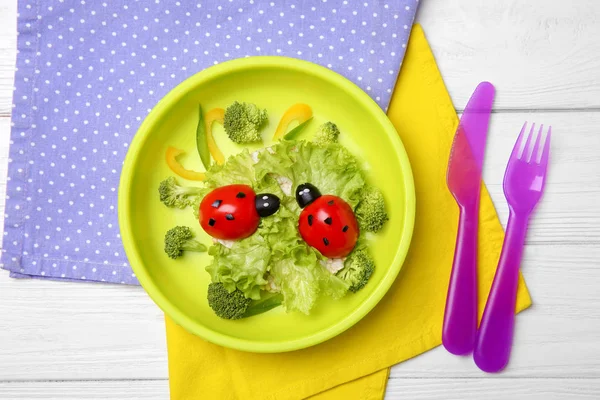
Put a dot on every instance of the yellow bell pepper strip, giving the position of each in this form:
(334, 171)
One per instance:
(176, 167)
(201, 140)
(214, 115)
(298, 112)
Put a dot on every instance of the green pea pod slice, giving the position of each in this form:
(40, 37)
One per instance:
(296, 131)
(201, 142)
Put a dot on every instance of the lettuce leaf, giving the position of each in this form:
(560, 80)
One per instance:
(331, 168)
(332, 285)
(298, 278)
(268, 184)
(238, 170)
(302, 279)
(244, 266)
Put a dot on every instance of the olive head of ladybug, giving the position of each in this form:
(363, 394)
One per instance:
(306, 194)
(266, 204)
(233, 212)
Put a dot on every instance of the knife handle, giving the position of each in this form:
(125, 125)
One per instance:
(460, 317)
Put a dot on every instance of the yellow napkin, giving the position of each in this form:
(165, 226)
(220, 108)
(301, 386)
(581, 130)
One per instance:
(408, 321)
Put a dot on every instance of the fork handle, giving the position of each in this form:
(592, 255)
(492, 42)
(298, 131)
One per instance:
(460, 316)
(494, 339)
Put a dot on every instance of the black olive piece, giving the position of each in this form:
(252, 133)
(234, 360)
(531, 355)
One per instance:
(326, 241)
(328, 220)
(240, 195)
(217, 203)
(266, 204)
(345, 228)
(229, 217)
(211, 222)
(306, 194)
(310, 220)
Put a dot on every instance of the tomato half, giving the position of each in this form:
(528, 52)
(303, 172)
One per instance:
(229, 212)
(329, 225)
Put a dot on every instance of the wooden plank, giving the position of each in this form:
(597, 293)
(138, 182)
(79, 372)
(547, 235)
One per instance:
(491, 389)
(79, 390)
(569, 211)
(4, 144)
(63, 331)
(60, 330)
(538, 53)
(415, 389)
(8, 47)
(557, 337)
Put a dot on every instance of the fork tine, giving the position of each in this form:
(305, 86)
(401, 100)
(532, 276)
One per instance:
(535, 151)
(525, 153)
(517, 148)
(546, 151)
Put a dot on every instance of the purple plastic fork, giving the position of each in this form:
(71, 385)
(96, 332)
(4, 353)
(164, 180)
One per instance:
(523, 187)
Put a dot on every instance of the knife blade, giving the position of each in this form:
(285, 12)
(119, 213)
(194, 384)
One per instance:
(464, 182)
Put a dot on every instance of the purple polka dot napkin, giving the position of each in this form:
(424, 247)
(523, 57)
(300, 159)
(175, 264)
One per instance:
(88, 72)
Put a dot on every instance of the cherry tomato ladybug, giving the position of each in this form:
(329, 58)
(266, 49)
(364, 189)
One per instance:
(327, 222)
(233, 212)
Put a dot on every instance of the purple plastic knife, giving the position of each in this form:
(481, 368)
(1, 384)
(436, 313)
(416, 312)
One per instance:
(464, 181)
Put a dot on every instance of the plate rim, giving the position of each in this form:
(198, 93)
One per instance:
(148, 125)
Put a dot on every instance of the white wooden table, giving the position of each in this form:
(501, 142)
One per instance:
(64, 341)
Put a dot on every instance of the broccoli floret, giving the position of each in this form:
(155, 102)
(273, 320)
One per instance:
(174, 195)
(326, 134)
(227, 305)
(234, 305)
(180, 239)
(370, 212)
(357, 270)
(243, 122)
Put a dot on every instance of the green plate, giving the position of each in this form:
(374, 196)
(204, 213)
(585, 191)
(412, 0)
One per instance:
(179, 286)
